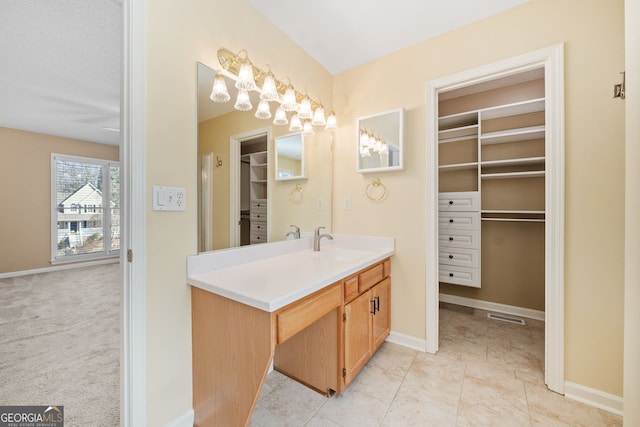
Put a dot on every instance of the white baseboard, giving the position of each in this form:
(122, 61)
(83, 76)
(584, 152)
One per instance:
(185, 420)
(592, 397)
(407, 341)
(58, 268)
(493, 306)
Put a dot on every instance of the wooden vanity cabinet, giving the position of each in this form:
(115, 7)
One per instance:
(367, 318)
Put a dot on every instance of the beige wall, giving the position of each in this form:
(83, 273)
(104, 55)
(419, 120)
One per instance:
(594, 44)
(25, 173)
(178, 35)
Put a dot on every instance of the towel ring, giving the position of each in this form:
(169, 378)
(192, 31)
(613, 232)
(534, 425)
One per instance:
(376, 190)
(296, 195)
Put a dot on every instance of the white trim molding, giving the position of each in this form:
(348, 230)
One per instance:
(592, 397)
(133, 366)
(552, 59)
(110, 260)
(494, 306)
(185, 420)
(407, 341)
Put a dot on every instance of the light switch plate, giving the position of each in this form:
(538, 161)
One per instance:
(169, 198)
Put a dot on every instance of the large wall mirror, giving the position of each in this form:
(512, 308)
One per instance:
(381, 142)
(240, 199)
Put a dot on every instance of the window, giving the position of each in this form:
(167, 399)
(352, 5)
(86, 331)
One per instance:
(85, 208)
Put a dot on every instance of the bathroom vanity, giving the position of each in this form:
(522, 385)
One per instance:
(318, 316)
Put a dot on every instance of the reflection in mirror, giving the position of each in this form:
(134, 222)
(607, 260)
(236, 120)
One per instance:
(380, 142)
(290, 157)
(224, 139)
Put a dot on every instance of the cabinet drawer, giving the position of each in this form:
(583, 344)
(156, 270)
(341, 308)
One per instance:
(259, 205)
(459, 220)
(459, 275)
(461, 257)
(297, 316)
(258, 216)
(370, 277)
(458, 201)
(459, 239)
(259, 226)
(350, 289)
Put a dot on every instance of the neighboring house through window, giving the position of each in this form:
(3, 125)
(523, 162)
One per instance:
(85, 208)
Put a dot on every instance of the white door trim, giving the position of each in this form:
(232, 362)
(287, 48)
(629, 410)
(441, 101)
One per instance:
(552, 59)
(133, 354)
(234, 181)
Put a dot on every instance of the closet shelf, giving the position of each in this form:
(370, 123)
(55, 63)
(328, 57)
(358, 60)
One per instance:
(514, 109)
(510, 175)
(513, 135)
(513, 162)
(458, 120)
(514, 219)
(458, 134)
(511, 212)
(458, 166)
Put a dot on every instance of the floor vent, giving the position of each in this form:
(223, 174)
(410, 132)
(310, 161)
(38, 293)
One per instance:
(504, 318)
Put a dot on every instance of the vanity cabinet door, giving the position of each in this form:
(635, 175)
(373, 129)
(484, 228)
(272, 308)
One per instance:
(381, 296)
(357, 335)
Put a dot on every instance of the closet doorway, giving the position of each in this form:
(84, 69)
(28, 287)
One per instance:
(477, 174)
(249, 189)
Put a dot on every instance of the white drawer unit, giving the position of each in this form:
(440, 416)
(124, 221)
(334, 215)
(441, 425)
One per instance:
(460, 275)
(459, 221)
(257, 226)
(466, 239)
(258, 216)
(258, 219)
(461, 257)
(459, 238)
(464, 201)
(259, 205)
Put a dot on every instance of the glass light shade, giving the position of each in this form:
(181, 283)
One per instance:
(364, 139)
(263, 112)
(280, 118)
(307, 128)
(296, 124)
(269, 91)
(219, 92)
(318, 117)
(364, 152)
(246, 80)
(289, 102)
(243, 102)
(332, 123)
(384, 148)
(304, 111)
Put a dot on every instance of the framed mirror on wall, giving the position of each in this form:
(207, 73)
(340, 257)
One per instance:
(380, 142)
(290, 157)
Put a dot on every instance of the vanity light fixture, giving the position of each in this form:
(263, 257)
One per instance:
(307, 128)
(243, 102)
(280, 118)
(219, 92)
(248, 77)
(263, 112)
(371, 143)
(296, 124)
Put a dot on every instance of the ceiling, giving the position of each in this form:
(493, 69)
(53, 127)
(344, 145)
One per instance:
(61, 66)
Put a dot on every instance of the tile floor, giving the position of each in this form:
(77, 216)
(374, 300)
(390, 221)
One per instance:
(487, 373)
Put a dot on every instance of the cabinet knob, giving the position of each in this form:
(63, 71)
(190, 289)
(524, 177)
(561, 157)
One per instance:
(450, 202)
(450, 274)
(450, 256)
(450, 238)
(451, 220)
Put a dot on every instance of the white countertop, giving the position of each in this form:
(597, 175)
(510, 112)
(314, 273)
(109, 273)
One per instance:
(269, 276)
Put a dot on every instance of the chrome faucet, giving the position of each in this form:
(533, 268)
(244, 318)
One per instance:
(295, 233)
(316, 238)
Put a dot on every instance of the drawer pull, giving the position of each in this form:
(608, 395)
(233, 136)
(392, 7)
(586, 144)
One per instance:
(450, 256)
(451, 220)
(450, 202)
(450, 238)
(450, 274)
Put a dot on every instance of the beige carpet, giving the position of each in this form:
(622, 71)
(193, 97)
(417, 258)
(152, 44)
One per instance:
(60, 343)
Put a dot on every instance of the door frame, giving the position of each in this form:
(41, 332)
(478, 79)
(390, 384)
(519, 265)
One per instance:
(235, 145)
(552, 59)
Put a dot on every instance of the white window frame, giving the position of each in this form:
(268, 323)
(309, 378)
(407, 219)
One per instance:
(106, 211)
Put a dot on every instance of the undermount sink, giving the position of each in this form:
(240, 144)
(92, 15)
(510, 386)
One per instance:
(339, 254)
